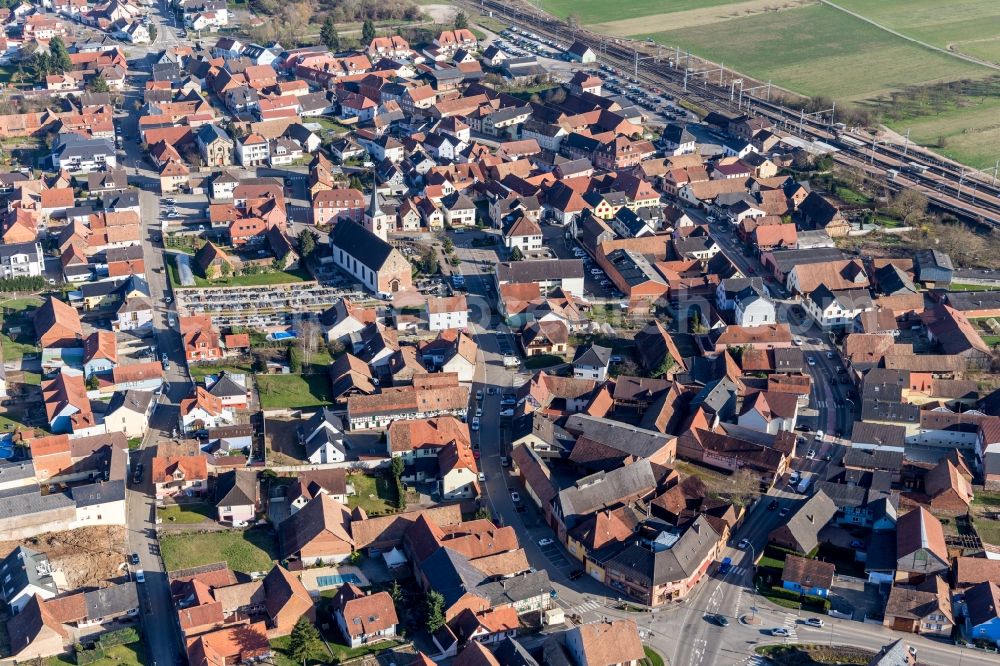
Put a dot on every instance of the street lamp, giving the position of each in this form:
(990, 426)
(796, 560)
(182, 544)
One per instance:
(753, 581)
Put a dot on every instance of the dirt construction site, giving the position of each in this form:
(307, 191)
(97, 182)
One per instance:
(88, 556)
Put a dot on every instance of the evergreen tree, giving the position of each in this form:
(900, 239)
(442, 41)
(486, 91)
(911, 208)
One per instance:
(305, 642)
(367, 31)
(516, 254)
(307, 243)
(59, 56)
(328, 34)
(434, 610)
(461, 20)
(99, 85)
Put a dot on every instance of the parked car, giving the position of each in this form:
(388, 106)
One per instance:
(814, 622)
(140, 576)
(134, 559)
(720, 620)
(744, 544)
(780, 631)
(475, 423)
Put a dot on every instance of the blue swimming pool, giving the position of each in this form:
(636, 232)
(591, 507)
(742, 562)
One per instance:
(337, 579)
(6, 448)
(282, 335)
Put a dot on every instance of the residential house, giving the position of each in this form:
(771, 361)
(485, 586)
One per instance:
(362, 618)
(319, 531)
(921, 609)
(982, 612)
(176, 475)
(920, 547)
(323, 437)
(806, 576)
(801, 529)
(237, 497)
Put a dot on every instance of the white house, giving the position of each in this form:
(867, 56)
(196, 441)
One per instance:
(446, 312)
(770, 412)
(25, 573)
(458, 472)
(129, 411)
(204, 411)
(752, 307)
(323, 437)
(523, 233)
(21, 260)
(836, 309)
(592, 363)
(253, 150)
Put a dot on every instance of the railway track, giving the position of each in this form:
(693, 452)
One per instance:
(949, 188)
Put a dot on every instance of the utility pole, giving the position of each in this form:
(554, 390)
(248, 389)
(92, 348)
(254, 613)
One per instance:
(833, 112)
(996, 167)
(906, 146)
(960, 179)
(722, 70)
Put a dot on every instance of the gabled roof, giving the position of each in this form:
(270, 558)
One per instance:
(919, 529)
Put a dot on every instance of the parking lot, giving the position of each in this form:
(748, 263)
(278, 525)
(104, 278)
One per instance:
(595, 282)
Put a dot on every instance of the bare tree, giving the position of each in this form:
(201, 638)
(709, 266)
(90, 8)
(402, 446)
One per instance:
(746, 485)
(309, 333)
(909, 205)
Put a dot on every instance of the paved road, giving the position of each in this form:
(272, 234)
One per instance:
(161, 636)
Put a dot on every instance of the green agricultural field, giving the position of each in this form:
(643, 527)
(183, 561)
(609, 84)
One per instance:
(966, 26)
(819, 50)
(600, 11)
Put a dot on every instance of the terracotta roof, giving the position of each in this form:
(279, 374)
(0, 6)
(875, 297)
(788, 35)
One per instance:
(973, 570)
(101, 345)
(608, 643)
(808, 573)
(193, 467)
(364, 614)
(919, 529)
(406, 435)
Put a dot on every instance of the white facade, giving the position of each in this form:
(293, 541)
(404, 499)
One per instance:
(22, 260)
(754, 312)
(253, 154)
(531, 243)
(442, 321)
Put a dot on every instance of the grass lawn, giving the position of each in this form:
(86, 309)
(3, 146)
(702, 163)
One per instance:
(956, 286)
(200, 370)
(186, 514)
(282, 653)
(813, 655)
(338, 652)
(375, 494)
(293, 391)
(988, 528)
(543, 361)
(816, 49)
(133, 654)
(652, 656)
(256, 280)
(245, 551)
(14, 350)
(330, 124)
